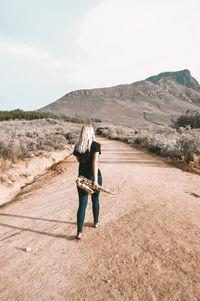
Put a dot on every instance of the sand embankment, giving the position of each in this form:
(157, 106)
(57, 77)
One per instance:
(24, 172)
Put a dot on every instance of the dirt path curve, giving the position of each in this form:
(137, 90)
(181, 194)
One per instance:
(147, 248)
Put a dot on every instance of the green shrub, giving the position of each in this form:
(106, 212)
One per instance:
(188, 119)
(31, 115)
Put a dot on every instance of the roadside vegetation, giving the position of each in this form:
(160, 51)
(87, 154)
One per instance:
(188, 119)
(181, 145)
(29, 138)
(31, 115)
(26, 139)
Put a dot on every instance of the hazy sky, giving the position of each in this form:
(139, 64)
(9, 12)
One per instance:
(51, 47)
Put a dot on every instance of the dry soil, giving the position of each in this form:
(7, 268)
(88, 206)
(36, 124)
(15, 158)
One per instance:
(147, 247)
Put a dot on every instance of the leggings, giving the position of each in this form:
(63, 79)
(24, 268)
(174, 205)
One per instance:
(83, 199)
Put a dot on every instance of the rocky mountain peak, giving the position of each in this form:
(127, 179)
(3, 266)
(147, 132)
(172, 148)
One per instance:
(182, 77)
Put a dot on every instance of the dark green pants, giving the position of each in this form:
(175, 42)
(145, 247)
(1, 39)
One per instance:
(83, 199)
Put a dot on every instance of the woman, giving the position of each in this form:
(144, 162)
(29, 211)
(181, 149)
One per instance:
(87, 151)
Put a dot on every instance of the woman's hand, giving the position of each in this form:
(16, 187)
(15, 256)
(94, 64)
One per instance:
(95, 185)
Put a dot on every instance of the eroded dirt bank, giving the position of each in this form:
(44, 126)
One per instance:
(147, 248)
(24, 172)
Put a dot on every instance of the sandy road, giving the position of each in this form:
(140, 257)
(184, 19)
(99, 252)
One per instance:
(147, 248)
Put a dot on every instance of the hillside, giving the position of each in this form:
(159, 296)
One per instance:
(156, 100)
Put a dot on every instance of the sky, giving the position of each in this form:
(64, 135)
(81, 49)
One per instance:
(51, 47)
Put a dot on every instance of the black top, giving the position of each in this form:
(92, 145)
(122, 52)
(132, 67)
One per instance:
(85, 164)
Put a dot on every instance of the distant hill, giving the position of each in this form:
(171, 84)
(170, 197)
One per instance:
(156, 100)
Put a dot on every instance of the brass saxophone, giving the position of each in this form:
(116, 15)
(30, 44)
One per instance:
(89, 186)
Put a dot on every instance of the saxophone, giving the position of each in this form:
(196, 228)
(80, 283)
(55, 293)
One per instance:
(88, 186)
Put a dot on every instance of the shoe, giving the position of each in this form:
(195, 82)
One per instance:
(97, 225)
(78, 236)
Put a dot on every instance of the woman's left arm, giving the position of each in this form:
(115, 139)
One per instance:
(77, 158)
(95, 167)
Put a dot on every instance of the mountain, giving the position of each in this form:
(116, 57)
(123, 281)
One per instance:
(182, 77)
(156, 100)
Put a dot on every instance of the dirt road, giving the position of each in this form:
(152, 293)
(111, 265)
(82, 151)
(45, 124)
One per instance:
(147, 248)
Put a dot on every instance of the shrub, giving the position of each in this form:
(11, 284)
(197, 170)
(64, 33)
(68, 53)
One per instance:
(32, 115)
(182, 144)
(188, 119)
(24, 139)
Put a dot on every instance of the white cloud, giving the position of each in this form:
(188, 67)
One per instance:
(116, 41)
(30, 77)
(22, 51)
(34, 60)
(124, 41)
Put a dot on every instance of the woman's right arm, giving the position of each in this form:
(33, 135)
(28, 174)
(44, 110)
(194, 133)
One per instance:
(95, 168)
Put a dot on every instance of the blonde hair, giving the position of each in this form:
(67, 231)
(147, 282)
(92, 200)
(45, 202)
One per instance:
(86, 138)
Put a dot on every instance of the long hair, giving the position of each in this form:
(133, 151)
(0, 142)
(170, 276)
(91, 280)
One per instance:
(86, 138)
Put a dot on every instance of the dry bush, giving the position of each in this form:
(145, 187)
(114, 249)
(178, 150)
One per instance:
(24, 139)
(115, 132)
(5, 164)
(182, 144)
